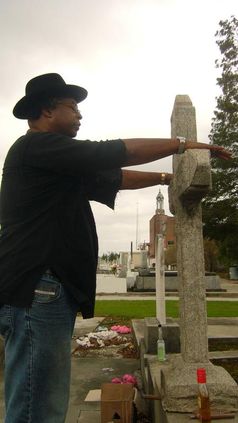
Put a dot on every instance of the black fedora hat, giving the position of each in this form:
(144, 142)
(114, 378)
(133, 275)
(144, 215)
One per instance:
(43, 87)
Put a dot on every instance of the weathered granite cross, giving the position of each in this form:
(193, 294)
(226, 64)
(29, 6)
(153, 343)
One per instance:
(191, 182)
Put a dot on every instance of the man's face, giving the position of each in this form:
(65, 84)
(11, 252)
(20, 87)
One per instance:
(65, 117)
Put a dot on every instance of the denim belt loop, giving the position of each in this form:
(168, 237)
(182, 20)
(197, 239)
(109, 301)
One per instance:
(52, 275)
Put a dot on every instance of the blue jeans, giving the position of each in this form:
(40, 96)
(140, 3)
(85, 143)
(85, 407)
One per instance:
(38, 355)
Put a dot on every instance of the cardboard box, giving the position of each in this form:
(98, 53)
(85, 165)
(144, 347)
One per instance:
(117, 403)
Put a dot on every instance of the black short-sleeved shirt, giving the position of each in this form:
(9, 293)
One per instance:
(45, 215)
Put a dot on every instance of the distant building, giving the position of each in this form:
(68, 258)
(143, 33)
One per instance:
(160, 223)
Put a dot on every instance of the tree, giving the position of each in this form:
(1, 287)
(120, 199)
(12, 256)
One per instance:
(104, 257)
(110, 257)
(220, 207)
(210, 255)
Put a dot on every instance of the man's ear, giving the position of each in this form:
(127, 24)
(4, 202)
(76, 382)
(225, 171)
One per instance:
(47, 113)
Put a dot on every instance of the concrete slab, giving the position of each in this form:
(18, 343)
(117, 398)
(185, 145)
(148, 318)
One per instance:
(94, 395)
(224, 331)
(224, 355)
(89, 417)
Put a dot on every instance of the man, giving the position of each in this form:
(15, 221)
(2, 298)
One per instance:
(48, 243)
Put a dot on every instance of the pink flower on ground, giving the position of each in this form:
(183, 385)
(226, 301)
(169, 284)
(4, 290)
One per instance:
(121, 329)
(125, 379)
(129, 379)
(116, 380)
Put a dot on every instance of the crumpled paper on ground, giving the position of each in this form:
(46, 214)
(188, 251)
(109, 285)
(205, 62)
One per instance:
(97, 338)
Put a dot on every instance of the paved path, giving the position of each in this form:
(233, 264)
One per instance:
(152, 297)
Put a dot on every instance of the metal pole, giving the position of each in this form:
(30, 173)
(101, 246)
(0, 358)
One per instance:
(160, 279)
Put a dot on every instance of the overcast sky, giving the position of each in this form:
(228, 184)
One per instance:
(133, 57)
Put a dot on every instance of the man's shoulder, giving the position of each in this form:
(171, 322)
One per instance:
(29, 140)
(38, 137)
(35, 140)
(17, 145)
(21, 141)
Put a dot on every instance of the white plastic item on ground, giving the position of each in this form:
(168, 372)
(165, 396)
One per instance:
(89, 340)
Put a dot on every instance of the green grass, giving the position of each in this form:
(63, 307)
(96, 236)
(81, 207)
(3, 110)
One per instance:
(141, 308)
(222, 309)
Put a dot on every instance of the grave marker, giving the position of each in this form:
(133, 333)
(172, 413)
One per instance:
(191, 182)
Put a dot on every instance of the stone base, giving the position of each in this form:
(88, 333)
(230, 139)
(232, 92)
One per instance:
(147, 283)
(179, 386)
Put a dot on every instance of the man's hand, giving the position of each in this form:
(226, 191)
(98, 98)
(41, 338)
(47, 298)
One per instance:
(220, 152)
(215, 150)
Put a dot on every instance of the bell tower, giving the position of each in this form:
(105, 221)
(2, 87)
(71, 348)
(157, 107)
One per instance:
(159, 203)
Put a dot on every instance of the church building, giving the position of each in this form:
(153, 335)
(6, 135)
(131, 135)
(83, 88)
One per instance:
(160, 223)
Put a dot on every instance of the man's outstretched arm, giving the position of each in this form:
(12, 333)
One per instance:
(145, 150)
(132, 179)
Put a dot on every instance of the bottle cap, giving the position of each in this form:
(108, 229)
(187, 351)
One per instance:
(201, 375)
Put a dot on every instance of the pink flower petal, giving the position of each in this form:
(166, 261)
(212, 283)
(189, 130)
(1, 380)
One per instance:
(116, 380)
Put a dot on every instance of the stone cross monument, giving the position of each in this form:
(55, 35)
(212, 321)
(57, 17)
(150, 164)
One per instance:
(191, 182)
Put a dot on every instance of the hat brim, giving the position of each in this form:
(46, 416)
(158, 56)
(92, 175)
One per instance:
(23, 107)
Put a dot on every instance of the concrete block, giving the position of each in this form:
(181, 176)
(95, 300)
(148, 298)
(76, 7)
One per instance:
(156, 370)
(94, 395)
(143, 369)
(138, 329)
(170, 332)
(147, 283)
(171, 336)
(110, 284)
(151, 334)
(213, 282)
(178, 386)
